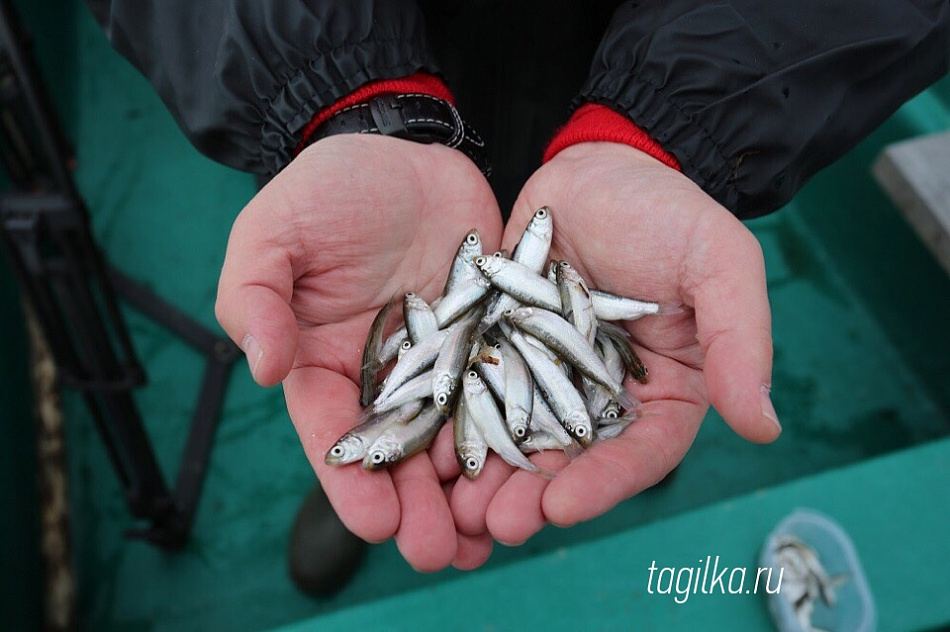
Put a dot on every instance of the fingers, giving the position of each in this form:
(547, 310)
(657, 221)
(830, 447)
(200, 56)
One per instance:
(473, 551)
(323, 405)
(442, 454)
(733, 323)
(426, 536)
(612, 471)
(253, 302)
(406, 502)
(515, 513)
(470, 499)
(263, 325)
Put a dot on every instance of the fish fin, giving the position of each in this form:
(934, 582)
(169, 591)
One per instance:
(627, 401)
(612, 331)
(366, 414)
(573, 449)
(546, 473)
(667, 309)
(520, 461)
(632, 415)
(374, 364)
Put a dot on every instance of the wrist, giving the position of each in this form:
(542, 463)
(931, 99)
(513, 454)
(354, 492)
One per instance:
(593, 122)
(418, 108)
(419, 83)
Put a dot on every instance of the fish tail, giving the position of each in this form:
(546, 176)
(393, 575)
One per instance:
(627, 401)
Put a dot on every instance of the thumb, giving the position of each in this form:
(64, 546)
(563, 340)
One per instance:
(253, 304)
(734, 329)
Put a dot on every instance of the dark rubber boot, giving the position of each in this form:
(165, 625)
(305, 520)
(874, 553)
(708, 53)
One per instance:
(322, 555)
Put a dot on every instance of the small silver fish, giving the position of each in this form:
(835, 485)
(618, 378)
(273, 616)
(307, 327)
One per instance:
(545, 421)
(399, 441)
(519, 391)
(419, 318)
(609, 306)
(613, 424)
(567, 342)
(531, 252)
(520, 282)
(418, 359)
(619, 337)
(535, 243)
(470, 248)
(392, 344)
(558, 390)
(452, 359)
(487, 418)
(577, 306)
(419, 387)
(471, 451)
(372, 350)
(805, 578)
(353, 445)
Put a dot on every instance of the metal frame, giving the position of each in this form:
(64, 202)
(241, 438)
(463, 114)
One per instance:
(45, 229)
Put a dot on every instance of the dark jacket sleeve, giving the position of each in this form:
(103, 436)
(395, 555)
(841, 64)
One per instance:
(753, 97)
(242, 77)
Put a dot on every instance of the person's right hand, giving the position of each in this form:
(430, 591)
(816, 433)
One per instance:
(352, 222)
(635, 227)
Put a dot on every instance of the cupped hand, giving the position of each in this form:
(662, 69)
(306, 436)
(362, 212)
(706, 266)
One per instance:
(352, 222)
(633, 226)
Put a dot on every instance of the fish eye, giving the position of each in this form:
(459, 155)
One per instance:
(480, 260)
(472, 375)
(565, 264)
(337, 450)
(508, 312)
(472, 238)
(442, 399)
(520, 431)
(498, 346)
(611, 414)
(471, 463)
(378, 457)
(405, 344)
(410, 294)
(541, 213)
(581, 431)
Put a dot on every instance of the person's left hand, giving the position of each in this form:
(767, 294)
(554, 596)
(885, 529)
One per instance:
(635, 227)
(352, 222)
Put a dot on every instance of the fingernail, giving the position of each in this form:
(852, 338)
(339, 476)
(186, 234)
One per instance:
(768, 409)
(253, 352)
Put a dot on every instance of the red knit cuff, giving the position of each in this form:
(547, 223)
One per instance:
(419, 83)
(594, 122)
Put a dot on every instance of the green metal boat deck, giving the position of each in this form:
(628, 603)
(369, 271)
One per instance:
(861, 383)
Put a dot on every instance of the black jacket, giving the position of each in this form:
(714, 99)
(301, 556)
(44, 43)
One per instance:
(752, 96)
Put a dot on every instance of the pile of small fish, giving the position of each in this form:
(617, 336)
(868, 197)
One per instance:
(522, 361)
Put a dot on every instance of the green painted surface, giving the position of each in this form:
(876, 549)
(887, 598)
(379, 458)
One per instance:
(606, 584)
(859, 309)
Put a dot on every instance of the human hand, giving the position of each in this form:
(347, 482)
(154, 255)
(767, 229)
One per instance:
(350, 223)
(633, 226)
